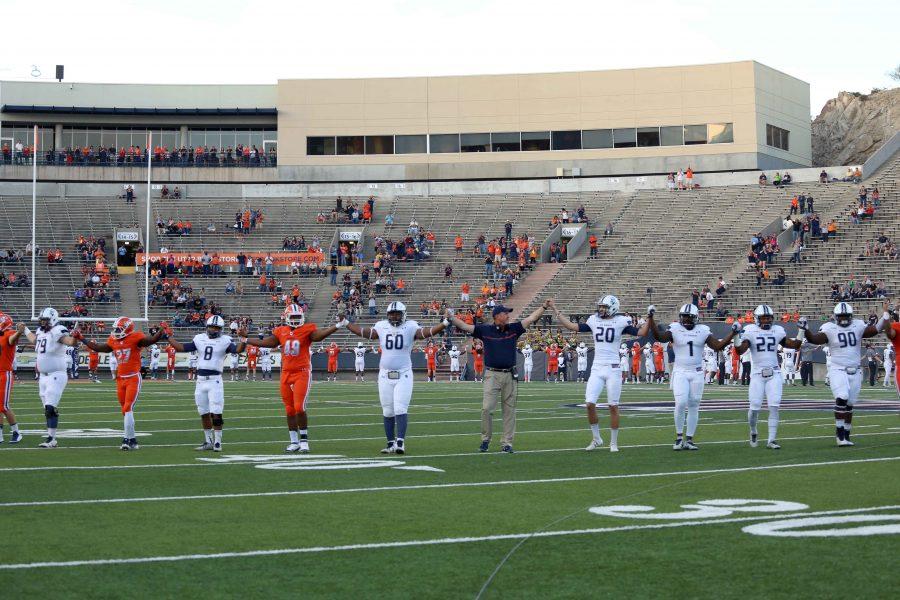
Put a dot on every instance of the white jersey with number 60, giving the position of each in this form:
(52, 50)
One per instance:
(845, 343)
(688, 345)
(396, 344)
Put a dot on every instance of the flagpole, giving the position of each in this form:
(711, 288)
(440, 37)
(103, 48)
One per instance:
(147, 231)
(34, 223)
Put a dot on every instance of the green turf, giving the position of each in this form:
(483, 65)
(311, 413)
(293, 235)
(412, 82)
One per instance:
(323, 510)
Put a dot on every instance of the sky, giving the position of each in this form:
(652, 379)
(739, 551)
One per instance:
(832, 45)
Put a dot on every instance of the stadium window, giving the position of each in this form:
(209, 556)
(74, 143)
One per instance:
(625, 137)
(506, 142)
(379, 144)
(777, 137)
(565, 140)
(410, 144)
(596, 138)
(647, 136)
(720, 133)
(443, 143)
(535, 141)
(320, 146)
(671, 136)
(475, 142)
(694, 134)
(351, 144)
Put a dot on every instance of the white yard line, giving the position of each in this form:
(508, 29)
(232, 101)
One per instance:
(431, 542)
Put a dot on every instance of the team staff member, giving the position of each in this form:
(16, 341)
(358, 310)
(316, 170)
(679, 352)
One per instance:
(806, 363)
(499, 341)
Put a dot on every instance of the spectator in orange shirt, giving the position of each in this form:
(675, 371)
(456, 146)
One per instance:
(262, 283)
(593, 242)
(464, 295)
(458, 244)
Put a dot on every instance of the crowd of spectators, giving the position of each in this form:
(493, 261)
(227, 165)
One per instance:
(682, 180)
(10, 255)
(248, 220)
(165, 194)
(880, 247)
(351, 212)
(13, 279)
(865, 288)
(565, 217)
(295, 244)
(95, 271)
(200, 156)
(172, 227)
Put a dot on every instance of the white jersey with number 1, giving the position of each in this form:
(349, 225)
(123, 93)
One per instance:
(688, 345)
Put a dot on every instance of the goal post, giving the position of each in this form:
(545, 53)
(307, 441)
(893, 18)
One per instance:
(35, 309)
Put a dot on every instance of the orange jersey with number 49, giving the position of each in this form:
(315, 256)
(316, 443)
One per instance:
(294, 346)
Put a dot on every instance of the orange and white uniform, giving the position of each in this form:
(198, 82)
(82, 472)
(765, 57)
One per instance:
(252, 354)
(636, 359)
(127, 351)
(553, 360)
(93, 360)
(735, 362)
(431, 356)
(896, 343)
(7, 357)
(170, 358)
(332, 351)
(295, 366)
(658, 358)
(478, 359)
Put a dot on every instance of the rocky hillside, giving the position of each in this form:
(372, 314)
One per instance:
(852, 126)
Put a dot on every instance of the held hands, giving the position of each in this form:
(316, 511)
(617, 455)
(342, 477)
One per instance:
(651, 310)
(736, 327)
(166, 328)
(803, 323)
(76, 333)
(342, 322)
(21, 328)
(448, 313)
(242, 333)
(549, 305)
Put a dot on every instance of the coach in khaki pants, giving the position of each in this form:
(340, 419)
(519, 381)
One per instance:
(500, 381)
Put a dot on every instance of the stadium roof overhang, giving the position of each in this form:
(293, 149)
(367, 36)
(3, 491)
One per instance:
(133, 111)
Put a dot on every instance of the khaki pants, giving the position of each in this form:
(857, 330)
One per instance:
(502, 386)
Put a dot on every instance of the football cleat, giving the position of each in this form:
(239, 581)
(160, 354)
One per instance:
(678, 445)
(50, 442)
(484, 446)
(389, 449)
(292, 447)
(773, 445)
(690, 445)
(845, 443)
(398, 448)
(594, 444)
(15, 438)
(613, 448)
(124, 445)
(507, 448)
(217, 447)
(133, 444)
(204, 447)
(753, 442)
(303, 447)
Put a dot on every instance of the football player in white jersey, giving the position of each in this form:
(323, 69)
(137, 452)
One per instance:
(688, 338)
(265, 362)
(709, 364)
(359, 361)
(606, 326)
(50, 342)
(762, 339)
(528, 362)
(233, 362)
(561, 365)
(624, 361)
(827, 351)
(154, 360)
(647, 352)
(889, 360)
(113, 365)
(211, 347)
(789, 361)
(454, 362)
(844, 337)
(582, 352)
(192, 366)
(396, 337)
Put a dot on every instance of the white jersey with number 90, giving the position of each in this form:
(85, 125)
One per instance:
(396, 344)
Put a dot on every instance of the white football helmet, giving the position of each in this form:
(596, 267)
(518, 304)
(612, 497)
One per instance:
(214, 326)
(359, 344)
(294, 315)
(51, 316)
(764, 310)
(688, 315)
(843, 313)
(396, 307)
(581, 344)
(453, 348)
(612, 306)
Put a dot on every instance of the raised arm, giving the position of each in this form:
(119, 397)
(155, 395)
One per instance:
(363, 332)
(461, 325)
(793, 344)
(717, 344)
(539, 311)
(14, 338)
(560, 318)
(77, 336)
(320, 334)
(423, 332)
(266, 342)
(149, 341)
(658, 334)
(817, 338)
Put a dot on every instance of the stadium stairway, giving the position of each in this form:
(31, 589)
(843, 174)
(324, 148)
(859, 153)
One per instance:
(532, 288)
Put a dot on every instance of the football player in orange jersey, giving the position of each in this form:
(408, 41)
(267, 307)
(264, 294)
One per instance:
(126, 344)
(9, 336)
(332, 351)
(171, 354)
(295, 338)
(431, 352)
(252, 355)
(889, 321)
(93, 365)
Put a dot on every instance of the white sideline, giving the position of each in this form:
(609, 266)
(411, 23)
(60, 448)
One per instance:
(432, 542)
(407, 457)
(435, 486)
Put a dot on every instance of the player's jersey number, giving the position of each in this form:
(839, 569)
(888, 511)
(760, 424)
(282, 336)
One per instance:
(393, 342)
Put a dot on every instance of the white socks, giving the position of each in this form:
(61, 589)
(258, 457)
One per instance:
(613, 437)
(217, 436)
(679, 416)
(207, 435)
(693, 417)
(14, 427)
(295, 437)
(129, 425)
(753, 418)
(773, 423)
(595, 430)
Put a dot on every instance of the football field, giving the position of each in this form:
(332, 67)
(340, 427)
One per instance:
(87, 520)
